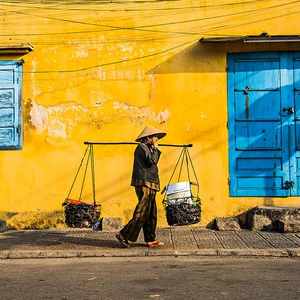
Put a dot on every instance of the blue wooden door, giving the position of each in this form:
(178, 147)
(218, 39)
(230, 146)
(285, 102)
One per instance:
(10, 105)
(263, 124)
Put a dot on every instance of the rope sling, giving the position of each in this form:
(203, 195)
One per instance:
(182, 207)
(77, 212)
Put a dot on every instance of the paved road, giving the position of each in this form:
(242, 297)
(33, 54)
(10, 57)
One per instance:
(150, 278)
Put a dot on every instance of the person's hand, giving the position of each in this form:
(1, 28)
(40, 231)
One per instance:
(153, 141)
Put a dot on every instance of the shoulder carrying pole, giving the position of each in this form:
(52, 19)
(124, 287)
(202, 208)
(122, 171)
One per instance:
(133, 143)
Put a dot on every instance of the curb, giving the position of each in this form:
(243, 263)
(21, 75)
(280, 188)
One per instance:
(254, 252)
(38, 254)
(295, 252)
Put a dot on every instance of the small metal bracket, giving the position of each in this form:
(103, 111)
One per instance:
(247, 88)
(289, 109)
(288, 185)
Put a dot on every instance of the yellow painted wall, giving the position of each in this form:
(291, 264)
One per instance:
(103, 70)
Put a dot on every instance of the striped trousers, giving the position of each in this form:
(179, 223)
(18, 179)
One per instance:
(144, 216)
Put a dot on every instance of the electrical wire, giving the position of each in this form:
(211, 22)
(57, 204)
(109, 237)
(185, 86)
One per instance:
(166, 34)
(129, 9)
(144, 27)
(163, 33)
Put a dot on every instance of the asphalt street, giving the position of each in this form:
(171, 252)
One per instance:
(136, 278)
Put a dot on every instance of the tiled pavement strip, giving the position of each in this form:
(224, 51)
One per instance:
(179, 241)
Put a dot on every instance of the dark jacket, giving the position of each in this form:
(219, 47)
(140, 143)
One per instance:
(145, 164)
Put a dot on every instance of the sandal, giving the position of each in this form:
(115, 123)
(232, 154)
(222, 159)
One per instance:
(122, 241)
(155, 244)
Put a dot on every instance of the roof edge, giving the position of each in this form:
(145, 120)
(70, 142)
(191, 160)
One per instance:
(262, 38)
(6, 48)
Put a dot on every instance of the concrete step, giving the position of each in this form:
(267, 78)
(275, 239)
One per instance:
(223, 224)
(267, 217)
(292, 226)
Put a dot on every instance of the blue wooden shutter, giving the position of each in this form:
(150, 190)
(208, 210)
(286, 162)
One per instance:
(10, 105)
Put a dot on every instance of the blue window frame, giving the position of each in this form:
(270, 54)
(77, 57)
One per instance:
(10, 105)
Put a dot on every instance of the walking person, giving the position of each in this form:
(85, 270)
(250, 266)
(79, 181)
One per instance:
(145, 179)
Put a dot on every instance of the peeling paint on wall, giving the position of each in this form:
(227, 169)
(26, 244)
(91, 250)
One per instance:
(57, 129)
(126, 48)
(124, 111)
(60, 120)
(162, 116)
(39, 117)
(81, 52)
(34, 90)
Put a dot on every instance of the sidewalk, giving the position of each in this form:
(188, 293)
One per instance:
(179, 241)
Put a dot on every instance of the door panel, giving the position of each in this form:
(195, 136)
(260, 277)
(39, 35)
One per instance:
(258, 135)
(262, 105)
(252, 71)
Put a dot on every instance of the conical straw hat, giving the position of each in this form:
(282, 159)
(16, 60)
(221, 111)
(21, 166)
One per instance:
(149, 130)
